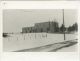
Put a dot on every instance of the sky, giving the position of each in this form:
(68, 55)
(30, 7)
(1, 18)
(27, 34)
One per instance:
(15, 19)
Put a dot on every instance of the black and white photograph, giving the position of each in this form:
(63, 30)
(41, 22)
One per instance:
(40, 30)
(40, 0)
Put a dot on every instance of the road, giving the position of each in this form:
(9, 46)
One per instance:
(52, 47)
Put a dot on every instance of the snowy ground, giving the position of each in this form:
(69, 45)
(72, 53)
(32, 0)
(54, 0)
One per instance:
(60, 47)
(72, 48)
(26, 41)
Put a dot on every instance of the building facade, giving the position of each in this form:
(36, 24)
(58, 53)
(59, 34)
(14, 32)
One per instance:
(48, 27)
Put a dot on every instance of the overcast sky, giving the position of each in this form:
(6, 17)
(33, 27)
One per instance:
(15, 19)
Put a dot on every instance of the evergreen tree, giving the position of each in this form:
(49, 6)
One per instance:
(72, 28)
(62, 28)
(76, 26)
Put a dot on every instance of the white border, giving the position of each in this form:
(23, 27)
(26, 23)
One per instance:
(38, 56)
(39, 4)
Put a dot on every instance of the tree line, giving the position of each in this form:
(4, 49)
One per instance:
(73, 28)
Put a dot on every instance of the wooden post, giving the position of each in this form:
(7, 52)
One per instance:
(63, 25)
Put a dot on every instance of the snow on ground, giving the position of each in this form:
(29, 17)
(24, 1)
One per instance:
(31, 40)
(72, 48)
(53, 47)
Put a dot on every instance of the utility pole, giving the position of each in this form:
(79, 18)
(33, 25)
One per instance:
(49, 25)
(63, 25)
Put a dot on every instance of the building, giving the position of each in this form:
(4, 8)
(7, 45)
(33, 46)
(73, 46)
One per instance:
(27, 29)
(48, 27)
